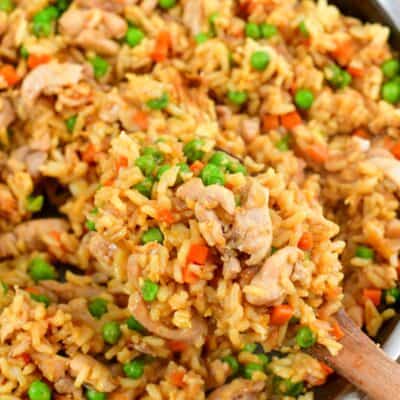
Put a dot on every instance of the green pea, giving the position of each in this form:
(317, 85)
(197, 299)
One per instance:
(391, 92)
(193, 150)
(304, 99)
(90, 225)
(135, 325)
(183, 168)
(283, 144)
(149, 290)
(305, 337)
(250, 368)
(250, 347)
(212, 175)
(41, 298)
(100, 66)
(70, 123)
(40, 270)
(23, 51)
(252, 30)
(273, 250)
(161, 170)
(211, 21)
(39, 390)
(62, 5)
(145, 187)
(34, 203)
(264, 359)
(146, 163)
(232, 362)
(268, 30)
(92, 394)
(134, 369)
(166, 4)
(4, 287)
(237, 97)
(201, 37)
(390, 68)
(365, 252)
(392, 295)
(94, 211)
(98, 307)
(259, 60)
(303, 29)
(152, 235)
(111, 332)
(157, 155)
(220, 159)
(42, 22)
(133, 36)
(6, 5)
(235, 167)
(287, 387)
(158, 103)
(337, 77)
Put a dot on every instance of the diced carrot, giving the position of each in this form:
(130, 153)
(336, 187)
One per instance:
(189, 276)
(270, 122)
(388, 142)
(162, 46)
(396, 150)
(122, 162)
(355, 72)
(374, 295)
(317, 152)
(306, 241)
(9, 74)
(26, 358)
(109, 182)
(362, 133)
(281, 314)
(141, 119)
(197, 254)
(196, 167)
(37, 59)
(165, 215)
(291, 120)
(176, 378)
(333, 293)
(344, 52)
(32, 290)
(177, 345)
(336, 330)
(89, 154)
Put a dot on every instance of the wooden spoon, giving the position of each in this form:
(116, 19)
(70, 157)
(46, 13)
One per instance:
(362, 362)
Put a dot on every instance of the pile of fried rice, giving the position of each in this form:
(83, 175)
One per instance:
(190, 190)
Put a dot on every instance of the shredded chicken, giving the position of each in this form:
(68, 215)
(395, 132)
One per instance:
(252, 229)
(28, 236)
(205, 200)
(138, 309)
(231, 267)
(67, 291)
(49, 76)
(238, 389)
(94, 29)
(92, 372)
(52, 366)
(193, 14)
(267, 287)
(7, 113)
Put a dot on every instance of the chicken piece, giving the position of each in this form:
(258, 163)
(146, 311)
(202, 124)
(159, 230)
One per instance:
(267, 287)
(193, 14)
(250, 129)
(52, 366)
(238, 389)
(231, 268)
(211, 196)
(33, 159)
(28, 236)
(102, 250)
(252, 229)
(88, 370)
(67, 291)
(51, 76)
(94, 29)
(389, 166)
(138, 309)
(7, 113)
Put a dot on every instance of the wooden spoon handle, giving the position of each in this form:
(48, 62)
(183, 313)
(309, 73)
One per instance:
(363, 363)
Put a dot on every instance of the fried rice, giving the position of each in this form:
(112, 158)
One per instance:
(189, 192)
